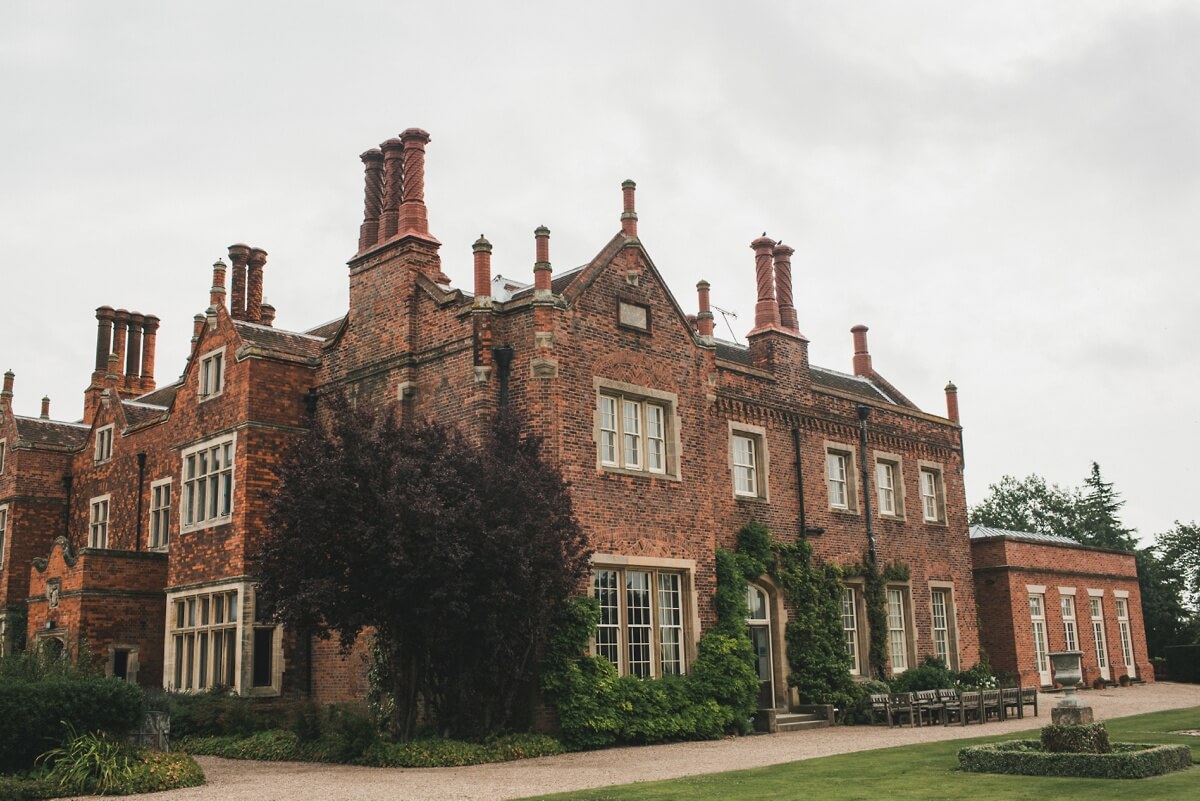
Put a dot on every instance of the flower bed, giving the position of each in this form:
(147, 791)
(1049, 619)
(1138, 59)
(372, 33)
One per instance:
(1028, 758)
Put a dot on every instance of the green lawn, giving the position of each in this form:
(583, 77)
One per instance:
(926, 773)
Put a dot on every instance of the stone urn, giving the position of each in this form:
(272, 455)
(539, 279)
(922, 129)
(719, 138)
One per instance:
(1069, 672)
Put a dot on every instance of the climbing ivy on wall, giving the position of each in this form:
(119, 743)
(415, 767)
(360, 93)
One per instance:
(875, 583)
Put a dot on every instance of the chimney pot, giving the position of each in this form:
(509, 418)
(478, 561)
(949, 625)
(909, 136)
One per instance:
(9, 375)
(483, 269)
(704, 319)
(952, 401)
(541, 266)
(368, 233)
(45, 407)
(629, 218)
(197, 327)
(862, 355)
(238, 255)
(149, 334)
(104, 315)
(120, 330)
(216, 296)
(254, 284)
(133, 354)
(783, 286)
(393, 185)
(766, 310)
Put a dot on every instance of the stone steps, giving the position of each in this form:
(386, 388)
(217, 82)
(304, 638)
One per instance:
(793, 721)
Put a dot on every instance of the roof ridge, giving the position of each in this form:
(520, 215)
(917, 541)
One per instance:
(262, 327)
(55, 422)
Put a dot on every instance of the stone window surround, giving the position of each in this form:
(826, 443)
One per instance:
(686, 568)
(830, 447)
(202, 373)
(762, 460)
(243, 683)
(219, 520)
(897, 463)
(951, 621)
(939, 472)
(103, 448)
(910, 642)
(670, 402)
(93, 504)
(166, 519)
(861, 638)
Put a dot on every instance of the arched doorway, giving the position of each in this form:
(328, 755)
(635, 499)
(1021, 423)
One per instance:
(759, 624)
(52, 647)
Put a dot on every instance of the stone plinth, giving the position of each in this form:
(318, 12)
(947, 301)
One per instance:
(1070, 715)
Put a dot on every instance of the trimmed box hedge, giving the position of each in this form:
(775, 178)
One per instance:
(1027, 758)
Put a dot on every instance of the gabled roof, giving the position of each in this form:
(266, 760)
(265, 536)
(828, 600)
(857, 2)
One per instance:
(326, 330)
(989, 533)
(51, 433)
(558, 283)
(163, 396)
(276, 342)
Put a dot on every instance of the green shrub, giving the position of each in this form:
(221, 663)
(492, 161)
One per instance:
(32, 710)
(932, 675)
(154, 771)
(345, 734)
(1183, 662)
(89, 762)
(1089, 738)
(1026, 758)
(858, 709)
(977, 677)
(19, 788)
(217, 713)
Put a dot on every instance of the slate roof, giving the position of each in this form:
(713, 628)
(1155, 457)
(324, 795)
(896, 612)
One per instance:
(730, 352)
(278, 342)
(51, 433)
(558, 283)
(163, 396)
(326, 330)
(851, 384)
(988, 533)
(138, 412)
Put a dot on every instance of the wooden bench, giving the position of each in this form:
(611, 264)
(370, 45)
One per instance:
(990, 704)
(1029, 697)
(881, 712)
(970, 706)
(932, 707)
(901, 705)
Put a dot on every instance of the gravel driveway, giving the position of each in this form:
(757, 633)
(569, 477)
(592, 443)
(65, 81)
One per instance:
(233, 780)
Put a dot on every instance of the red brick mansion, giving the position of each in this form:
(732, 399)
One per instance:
(134, 529)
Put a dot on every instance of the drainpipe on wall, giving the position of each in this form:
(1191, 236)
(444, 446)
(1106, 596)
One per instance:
(137, 527)
(863, 413)
(67, 512)
(804, 529)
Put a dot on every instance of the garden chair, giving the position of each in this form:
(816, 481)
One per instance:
(1010, 700)
(970, 706)
(931, 706)
(989, 704)
(900, 705)
(880, 710)
(950, 698)
(1029, 697)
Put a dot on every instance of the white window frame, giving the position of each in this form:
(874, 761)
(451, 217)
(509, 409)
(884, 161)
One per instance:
(210, 383)
(840, 477)
(3, 536)
(749, 476)
(850, 633)
(104, 444)
(932, 485)
(944, 632)
(158, 525)
(636, 430)
(898, 634)
(659, 592)
(1099, 634)
(1070, 626)
(1037, 622)
(892, 464)
(196, 487)
(99, 519)
(199, 670)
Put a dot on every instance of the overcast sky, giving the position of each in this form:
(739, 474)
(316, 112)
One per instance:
(1006, 193)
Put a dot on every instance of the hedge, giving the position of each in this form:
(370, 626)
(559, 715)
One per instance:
(32, 713)
(1183, 663)
(1026, 758)
(150, 772)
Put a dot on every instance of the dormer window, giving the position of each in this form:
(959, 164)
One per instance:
(104, 443)
(212, 374)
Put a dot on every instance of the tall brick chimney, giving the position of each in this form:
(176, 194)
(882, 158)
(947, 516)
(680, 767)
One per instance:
(393, 184)
(862, 356)
(952, 401)
(542, 271)
(133, 353)
(120, 329)
(766, 310)
(7, 393)
(268, 314)
(254, 284)
(216, 295)
(704, 319)
(783, 286)
(483, 271)
(629, 218)
(197, 327)
(414, 219)
(368, 233)
(45, 407)
(149, 335)
(238, 255)
(104, 315)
